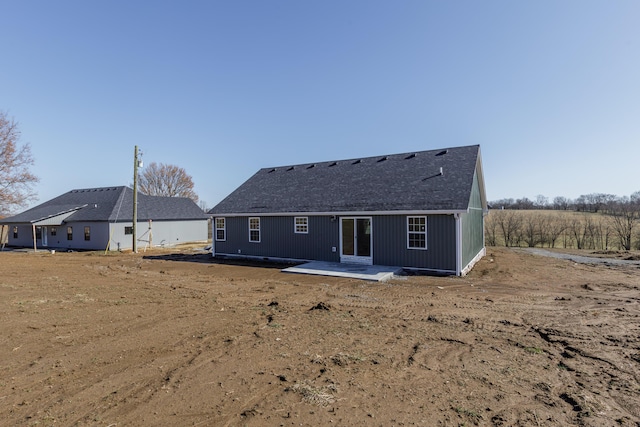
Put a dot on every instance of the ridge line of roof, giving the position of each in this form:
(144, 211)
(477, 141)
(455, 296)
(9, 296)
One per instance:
(362, 159)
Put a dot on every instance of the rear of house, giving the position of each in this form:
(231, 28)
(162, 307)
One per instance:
(422, 210)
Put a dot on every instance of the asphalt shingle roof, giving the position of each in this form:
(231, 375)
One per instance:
(397, 182)
(111, 204)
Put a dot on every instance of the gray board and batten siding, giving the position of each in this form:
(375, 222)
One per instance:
(445, 186)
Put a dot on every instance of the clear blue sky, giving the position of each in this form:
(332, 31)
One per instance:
(549, 89)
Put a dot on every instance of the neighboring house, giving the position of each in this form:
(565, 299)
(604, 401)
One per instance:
(101, 219)
(422, 210)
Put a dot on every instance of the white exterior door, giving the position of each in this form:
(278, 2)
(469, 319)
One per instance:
(45, 241)
(356, 240)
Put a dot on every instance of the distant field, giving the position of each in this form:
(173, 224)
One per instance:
(557, 229)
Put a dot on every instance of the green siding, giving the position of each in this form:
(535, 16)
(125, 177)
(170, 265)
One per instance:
(472, 225)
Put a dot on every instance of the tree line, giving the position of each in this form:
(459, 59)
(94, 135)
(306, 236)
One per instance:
(593, 221)
(592, 202)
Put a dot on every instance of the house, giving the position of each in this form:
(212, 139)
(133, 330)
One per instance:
(101, 219)
(422, 210)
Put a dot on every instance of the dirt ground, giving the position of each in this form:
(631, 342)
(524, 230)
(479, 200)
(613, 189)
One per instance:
(175, 338)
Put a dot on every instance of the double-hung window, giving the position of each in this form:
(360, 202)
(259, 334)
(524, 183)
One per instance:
(417, 232)
(87, 233)
(69, 233)
(254, 230)
(301, 225)
(221, 229)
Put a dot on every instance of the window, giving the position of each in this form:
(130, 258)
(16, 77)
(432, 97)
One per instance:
(54, 231)
(128, 230)
(69, 233)
(221, 231)
(87, 233)
(15, 231)
(417, 232)
(301, 225)
(254, 230)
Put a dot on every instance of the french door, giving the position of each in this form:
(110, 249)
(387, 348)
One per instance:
(356, 240)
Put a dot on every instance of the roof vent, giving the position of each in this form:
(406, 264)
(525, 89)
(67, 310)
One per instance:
(382, 159)
(440, 173)
(410, 156)
(272, 170)
(333, 164)
(290, 169)
(442, 153)
(313, 165)
(356, 162)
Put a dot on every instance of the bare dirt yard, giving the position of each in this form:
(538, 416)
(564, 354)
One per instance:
(175, 338)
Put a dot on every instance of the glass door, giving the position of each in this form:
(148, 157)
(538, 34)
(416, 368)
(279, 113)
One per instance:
(356, 238)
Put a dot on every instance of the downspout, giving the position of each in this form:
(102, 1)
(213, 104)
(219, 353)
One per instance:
(458, 244)
(33, 229)
(213, 237)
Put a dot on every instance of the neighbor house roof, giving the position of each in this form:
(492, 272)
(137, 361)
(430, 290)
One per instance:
(435, 180)
(107, 204)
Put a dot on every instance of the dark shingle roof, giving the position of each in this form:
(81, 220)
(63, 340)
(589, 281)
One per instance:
(398, 182)
(111, 204)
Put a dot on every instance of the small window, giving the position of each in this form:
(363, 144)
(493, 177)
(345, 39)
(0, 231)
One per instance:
(221, 229)
(15, 231)
(69, 233)
(417, 232)
(54, 231)
(128, 230)
(254, 230)
(87, 233)
(301, 225)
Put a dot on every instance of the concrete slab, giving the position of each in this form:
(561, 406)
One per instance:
(377, 273)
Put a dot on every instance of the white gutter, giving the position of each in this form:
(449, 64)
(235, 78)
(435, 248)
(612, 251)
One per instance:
(343, 213)
(458, 244)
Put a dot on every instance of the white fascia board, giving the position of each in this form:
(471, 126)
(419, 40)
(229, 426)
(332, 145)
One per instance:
(344, 213)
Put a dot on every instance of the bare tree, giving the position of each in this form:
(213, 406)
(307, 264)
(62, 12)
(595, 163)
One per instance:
(510, 223)
(579, 227)
(532, 229)
(555, 227)
(541, 202)
(15, 178)
(624, 217)
(561, 203)
(166, 180)
(491, 230)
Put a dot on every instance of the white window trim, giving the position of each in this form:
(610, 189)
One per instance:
(417, 232)
(255, 229)
(224, 228)
(305, 225)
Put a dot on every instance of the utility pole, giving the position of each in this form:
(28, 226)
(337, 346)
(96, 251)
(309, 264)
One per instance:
(135, 200)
